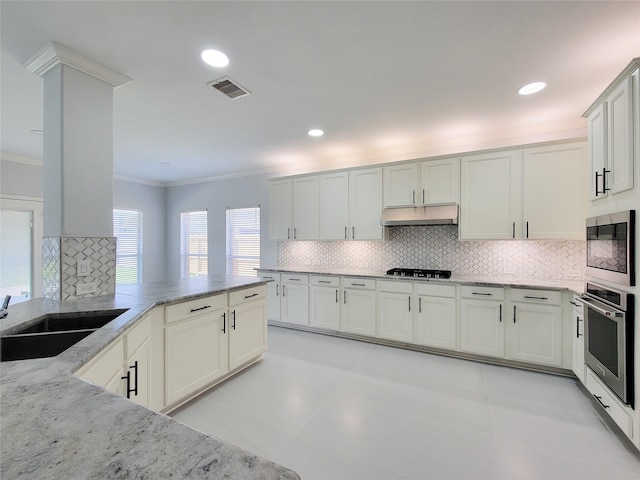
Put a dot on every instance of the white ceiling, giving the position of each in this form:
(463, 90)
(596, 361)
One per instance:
(386, 80)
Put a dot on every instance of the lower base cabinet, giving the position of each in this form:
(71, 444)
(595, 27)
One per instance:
(358, 307)
(247, 326)
(395, 315)
(536, 332)
(577, 330)
(436, 316)
(107, 368)
(481, 320)
(324, 302)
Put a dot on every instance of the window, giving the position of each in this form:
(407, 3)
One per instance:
(127, 228)
(193, 244)
(243, 241)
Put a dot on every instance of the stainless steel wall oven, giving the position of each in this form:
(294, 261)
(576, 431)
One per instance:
(608, 335)
(611, 247)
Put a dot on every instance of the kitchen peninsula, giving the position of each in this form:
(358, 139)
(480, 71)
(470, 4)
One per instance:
(57, 425)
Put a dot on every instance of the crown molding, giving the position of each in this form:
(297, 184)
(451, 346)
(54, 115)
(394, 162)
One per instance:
(141, 181)
(16, 158)
(55, 54)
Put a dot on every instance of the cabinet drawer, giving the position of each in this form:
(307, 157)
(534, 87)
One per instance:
(247, 295)
(325, 281)
(359, 283)
(269, 276)
(297, 279)
(615, 409)
(135, 337)
(193, 308)
(490, 293)
(547, 297)
(395, 287)
(436, 290)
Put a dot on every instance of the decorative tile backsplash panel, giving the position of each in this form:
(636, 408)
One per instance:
(437, 247)
(60, 258)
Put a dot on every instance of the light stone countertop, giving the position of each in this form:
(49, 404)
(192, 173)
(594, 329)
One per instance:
(55, 425)
(576, 286)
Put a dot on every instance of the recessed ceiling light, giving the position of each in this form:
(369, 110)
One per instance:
(37, 132)
(164, 164)
(531, 88)
(215, 58)
(316, 132)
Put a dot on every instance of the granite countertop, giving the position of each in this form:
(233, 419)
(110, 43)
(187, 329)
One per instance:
(56, 425)
(576, 286)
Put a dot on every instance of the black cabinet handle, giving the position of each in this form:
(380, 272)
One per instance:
(423, 195)
(578, 334)
(353, 233)
(284, 291)
(604, 180)
(224, 322)
(414, 197)
(201, 308)
(234, 320)
(596, 182)
(419, 304)
(483, 294)
(293, 279)
(288, 234)
(344, 294)
(251, 296)
(127, 377)
(277, 289)
(599, 399)
(540, 298)
(324, 281)
(500, 318)
(337, 296)
(358, 285)
(513, 230)
(573, 303)
(527, 229)
(295, 233)
(345, 233)
(514, 314)
(409, 302)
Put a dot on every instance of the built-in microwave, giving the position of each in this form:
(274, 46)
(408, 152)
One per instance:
(611, 247)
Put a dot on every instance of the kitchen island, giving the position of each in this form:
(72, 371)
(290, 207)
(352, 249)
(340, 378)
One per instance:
(56, 425)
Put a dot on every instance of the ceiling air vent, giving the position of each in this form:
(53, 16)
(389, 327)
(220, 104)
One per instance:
(230, 88)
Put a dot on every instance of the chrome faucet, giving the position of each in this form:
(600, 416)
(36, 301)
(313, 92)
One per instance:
(5, 305)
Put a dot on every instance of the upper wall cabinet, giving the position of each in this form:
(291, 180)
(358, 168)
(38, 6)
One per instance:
(294, 209)
(614, 135)
(333, 212)
(365, 204)
(427, 183)
(535, 193)
(489, 196)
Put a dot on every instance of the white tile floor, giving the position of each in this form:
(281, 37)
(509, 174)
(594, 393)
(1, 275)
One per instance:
(331, 408)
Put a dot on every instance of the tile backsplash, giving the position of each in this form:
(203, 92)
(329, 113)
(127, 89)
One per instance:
(437, 247)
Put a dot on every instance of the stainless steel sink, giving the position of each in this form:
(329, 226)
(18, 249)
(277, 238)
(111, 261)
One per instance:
(51, 335)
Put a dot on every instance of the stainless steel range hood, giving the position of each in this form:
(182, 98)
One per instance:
(427, 215)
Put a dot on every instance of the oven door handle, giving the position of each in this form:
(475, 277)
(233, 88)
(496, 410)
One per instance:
(602, 308)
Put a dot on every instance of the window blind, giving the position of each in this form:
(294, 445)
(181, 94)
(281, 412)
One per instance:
(127, 228)
(194, 248)
(243, 241)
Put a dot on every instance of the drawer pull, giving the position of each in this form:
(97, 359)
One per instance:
(201, 308)
(251, 296)
(358, 285)
(324, 281)
(483, 294)
(539, 298)
(293, 279)
(599, 399)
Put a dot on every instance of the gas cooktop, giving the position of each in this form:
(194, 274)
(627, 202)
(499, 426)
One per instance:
(417, 272)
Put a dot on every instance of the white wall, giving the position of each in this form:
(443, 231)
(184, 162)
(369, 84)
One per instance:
(215, 197)
(20, 179)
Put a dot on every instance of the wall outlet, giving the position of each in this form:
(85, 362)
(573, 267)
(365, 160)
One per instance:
(84, 288)
(83, 268)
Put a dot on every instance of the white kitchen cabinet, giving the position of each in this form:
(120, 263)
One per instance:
(140, 369)
(280, 209)
(333, 206)
(365, 204)
(273, 294)
(436, 316)
(577, 314)
(196, 346)
(324, 311)
(358, 307)
(395, 315)
(305, 208)
(613, 133)
(490, 195)
(481, 320)
(552, 194)
(401, 185)
(107, 368)
(295, 299)
(426, 183)
(536, 327)
(247, 325)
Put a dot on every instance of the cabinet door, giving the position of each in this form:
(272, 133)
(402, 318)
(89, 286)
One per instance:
(196, 354)
(305, 208)
(273, 294)
(440, 181)
(295, 304)
(482, 327)
(358, 312)
(325, 307)
(395, 319)
(552, 194)
(436, 322)
(247, 332)
(597, 124)
(536, 334)
(620, 138)
(333, 208)
(489, 196)
(578, 346)
(108, 369)
(138, 356)
(280, 209)
(400, 185)
(365, 204)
